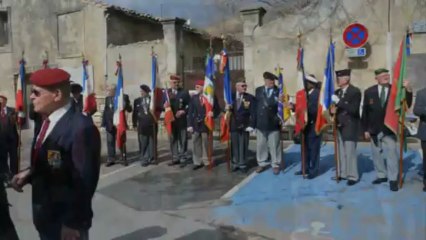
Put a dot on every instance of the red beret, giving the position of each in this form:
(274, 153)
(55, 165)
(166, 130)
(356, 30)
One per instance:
(49, 77)
(174, 77)
(5, 98)
(199, 83)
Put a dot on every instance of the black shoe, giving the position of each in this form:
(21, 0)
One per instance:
(173, 163)
(298, 173)
(244, 170)
(312, 176)
(235, 169)
(182, 165)
(109, 164)
(393, 186)
(380, 180)
(145, 164)
(125, 163)
(338, 178)
(351, 182)
(196, 167)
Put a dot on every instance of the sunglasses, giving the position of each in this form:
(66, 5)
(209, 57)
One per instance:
(35, 92)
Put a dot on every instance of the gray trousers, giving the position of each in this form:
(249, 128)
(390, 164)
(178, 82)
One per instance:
(199, 149)
(268, 144)
(348, 159)
(179, 145)
(146, 148)
(239, 146)
(386, 148)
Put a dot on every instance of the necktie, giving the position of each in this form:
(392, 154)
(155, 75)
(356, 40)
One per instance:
(201, 100)
(383, 96)
(239, 97)
(3, 113)
(42, 134)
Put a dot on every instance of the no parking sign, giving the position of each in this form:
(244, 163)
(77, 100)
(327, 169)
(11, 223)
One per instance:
(355, 35)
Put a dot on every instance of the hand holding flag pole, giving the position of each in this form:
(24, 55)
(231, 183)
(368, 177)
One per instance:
(301, 102)
(153, 101)
(227, 94)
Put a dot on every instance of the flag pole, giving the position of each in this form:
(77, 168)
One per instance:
(154, 126)
(302, 132)
(278, 70)
(210, 132)
(124, 148)
(228, 115)
(401, 141)
(19, 121)
(335, 136)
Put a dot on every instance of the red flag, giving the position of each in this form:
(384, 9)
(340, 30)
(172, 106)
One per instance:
(300, 111)
(397, 93)
(224, 127)
(168, 114)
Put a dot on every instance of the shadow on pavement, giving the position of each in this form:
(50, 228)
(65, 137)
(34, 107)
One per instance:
(144, 234)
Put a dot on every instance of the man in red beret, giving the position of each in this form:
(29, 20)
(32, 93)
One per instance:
(196, 125)
(9, 132)
(179, 102)
(65, 161)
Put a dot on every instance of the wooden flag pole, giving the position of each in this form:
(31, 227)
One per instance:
(154, 126)
(302, 131)
(228, 116)
(124, 148)
(210, 132)
(336, 147)
(402, 142)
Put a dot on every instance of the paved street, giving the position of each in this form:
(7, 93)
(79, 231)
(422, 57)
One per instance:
(163, 202)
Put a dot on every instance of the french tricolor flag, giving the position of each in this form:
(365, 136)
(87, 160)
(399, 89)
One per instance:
(119, 114)
(327, 90)
(89, 100)
(20, 93)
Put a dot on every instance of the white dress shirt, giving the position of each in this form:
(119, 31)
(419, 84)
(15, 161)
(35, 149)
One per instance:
(54, 118)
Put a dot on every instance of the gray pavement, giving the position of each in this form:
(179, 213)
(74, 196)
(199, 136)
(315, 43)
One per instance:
(155, 202)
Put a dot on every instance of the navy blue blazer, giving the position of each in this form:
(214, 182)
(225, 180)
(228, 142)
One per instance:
(267, 109)
(197, 113)
(180, 101)
(245, 115)
(420, 111)
(65, 173)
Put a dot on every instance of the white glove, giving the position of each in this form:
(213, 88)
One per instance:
(335, 99)
(190, 129)
(249, 129)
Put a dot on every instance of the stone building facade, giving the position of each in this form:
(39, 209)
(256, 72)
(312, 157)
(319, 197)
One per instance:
(63, 31)
(270, 38)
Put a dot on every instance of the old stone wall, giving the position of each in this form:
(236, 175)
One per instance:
(275, 42)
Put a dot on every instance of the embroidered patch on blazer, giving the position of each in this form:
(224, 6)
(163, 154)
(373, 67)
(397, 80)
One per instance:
(246, 104)
(54, 158)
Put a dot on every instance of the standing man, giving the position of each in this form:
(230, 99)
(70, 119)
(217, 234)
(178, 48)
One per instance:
(242, 122)
(268, 125)
(9, 131)
(420, 111)
(347, 100)
(144, 122)
(65, 161)
(179, 103)
(7, 229)
(383, 140)
(77, 98)
(196, 126)
(312, 140)
(77, 101)
(108, 122)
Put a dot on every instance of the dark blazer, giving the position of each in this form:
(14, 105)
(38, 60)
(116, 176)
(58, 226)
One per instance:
(420, 111)
(8, 127)
(245, 115)
(180, 101)
(197, 113)
(108, 114)
(373, 114)
(142, 117)
(313, 99)
(65, 173)
(348, 117)
(77, 103)
(267, 109)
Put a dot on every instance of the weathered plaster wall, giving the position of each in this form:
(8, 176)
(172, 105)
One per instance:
(123, 29)
(136, 60)
(276, 41)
